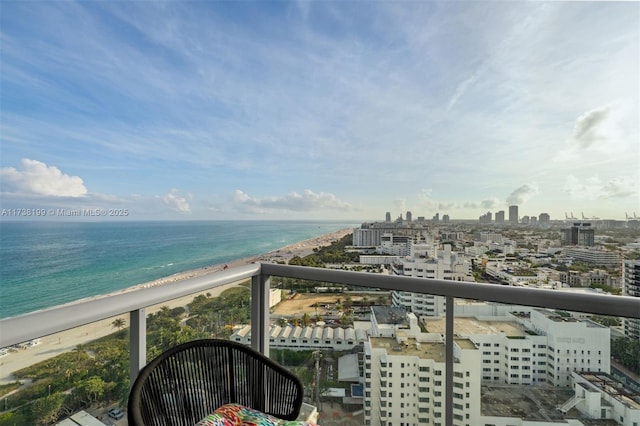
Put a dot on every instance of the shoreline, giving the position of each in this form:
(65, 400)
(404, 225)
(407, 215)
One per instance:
(283, 254)
(64, 341)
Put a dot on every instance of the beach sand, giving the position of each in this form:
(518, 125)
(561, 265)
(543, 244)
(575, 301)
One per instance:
(65, 341)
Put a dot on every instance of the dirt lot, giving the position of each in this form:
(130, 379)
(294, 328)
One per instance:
(303, 302)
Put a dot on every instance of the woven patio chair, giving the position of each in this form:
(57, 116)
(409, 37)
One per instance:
(191, 380)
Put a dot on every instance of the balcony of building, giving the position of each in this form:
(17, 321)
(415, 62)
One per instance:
(435, 374)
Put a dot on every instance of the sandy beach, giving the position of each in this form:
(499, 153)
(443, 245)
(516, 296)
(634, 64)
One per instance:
(58, 343)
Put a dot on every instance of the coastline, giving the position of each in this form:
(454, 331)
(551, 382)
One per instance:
(65, 341)
(284, 254)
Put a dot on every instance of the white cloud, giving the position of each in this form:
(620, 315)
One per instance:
(177, 202)
(307, 201)
(36, 178)
(598, 130)
(593, 188)
(490, 203)
(400, 205)
(522, 194)
(588, 128)
(428, 203)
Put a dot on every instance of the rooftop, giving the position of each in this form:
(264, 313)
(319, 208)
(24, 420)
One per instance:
(464, 326)
(390, 315)
(529, 402)
(613, 387)
(423, 350)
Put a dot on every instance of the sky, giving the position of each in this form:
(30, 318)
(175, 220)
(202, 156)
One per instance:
(192, 110)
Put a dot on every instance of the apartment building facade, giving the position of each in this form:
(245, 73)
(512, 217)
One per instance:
(404, 382)
(631, 287)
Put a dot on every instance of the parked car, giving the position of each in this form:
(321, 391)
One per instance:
(116, 413)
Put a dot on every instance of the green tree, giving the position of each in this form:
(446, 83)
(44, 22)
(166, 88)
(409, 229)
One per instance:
(46, 410)
(348, 302)
(93, 388)
(306, 319)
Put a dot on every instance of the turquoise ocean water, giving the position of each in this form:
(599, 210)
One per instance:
(43, 264)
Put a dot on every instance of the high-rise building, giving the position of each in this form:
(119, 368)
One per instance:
(409, 216)
(404, 373)
(500, 216)
(405, 381)
(544, 218)
(580, 234)
(388, 217)
(436, 217)
(513, 214)
(445, 218)
(485, 218)
(631, 287)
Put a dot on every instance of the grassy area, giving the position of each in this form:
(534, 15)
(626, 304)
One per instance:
(9, 387)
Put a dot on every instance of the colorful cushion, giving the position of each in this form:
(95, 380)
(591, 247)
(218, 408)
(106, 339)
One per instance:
(239, 415)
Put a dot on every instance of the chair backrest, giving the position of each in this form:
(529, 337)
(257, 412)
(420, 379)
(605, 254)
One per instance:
(191, 380)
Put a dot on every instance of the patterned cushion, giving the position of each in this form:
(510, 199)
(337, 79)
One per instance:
(239, 415)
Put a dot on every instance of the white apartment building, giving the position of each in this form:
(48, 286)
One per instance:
(447, 265)
(366, 237)
(495, 237)
(476, 250)
(593, 255)
(600, 396)
(395, 245)
(376, 259)
(572, 344)
(631, 287)
(404, 381)
(534, 347)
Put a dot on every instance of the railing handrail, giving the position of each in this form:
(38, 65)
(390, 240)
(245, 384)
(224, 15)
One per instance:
(42, 323)
(22, 328)
(602, 304)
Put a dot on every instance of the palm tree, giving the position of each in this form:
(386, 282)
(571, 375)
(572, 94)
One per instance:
(306, 319)
(119, 323)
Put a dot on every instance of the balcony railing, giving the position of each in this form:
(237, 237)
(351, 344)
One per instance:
(60, 318)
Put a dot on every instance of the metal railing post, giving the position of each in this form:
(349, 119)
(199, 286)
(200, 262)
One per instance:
(137, 343)
(260, 313)
(448, 379)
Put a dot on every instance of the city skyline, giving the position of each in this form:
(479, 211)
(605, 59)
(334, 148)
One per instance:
(294, 110)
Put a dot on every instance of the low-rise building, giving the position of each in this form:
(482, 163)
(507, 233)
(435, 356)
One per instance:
(600, 396)
(594, 256)
(306, 338)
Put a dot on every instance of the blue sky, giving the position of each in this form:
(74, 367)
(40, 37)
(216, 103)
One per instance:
(321, 110)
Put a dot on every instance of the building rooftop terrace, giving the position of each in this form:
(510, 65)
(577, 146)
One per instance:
(464, 326)
(423, 350)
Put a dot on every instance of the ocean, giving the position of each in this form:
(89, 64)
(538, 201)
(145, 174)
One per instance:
(43, 264)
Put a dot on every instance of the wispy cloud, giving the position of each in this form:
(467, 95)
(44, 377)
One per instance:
(462, 87)
(363, 102)
(593, 188)
(307, 201)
